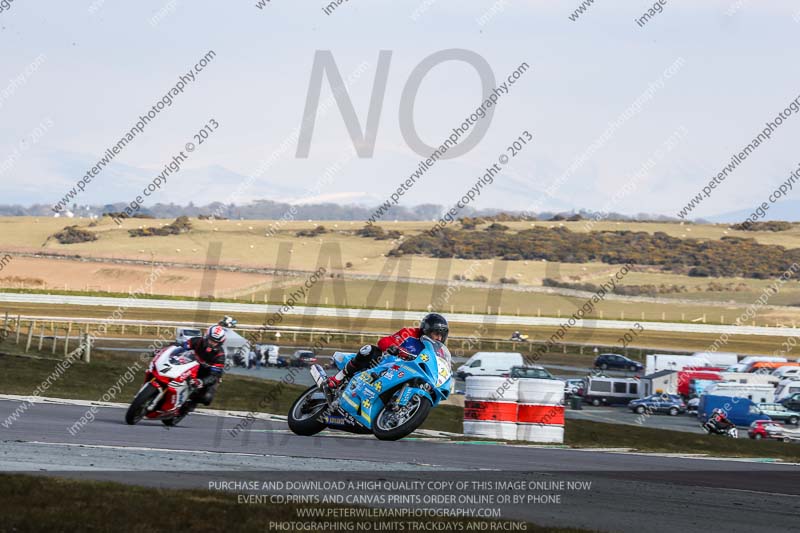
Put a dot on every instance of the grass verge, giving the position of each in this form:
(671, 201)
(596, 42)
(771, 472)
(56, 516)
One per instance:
(34, 503)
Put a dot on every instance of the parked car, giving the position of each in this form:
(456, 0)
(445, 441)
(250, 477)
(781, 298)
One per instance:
(489, 364)
(303, 358)
(605, 390)
(792, 402)
(573, 387)
(535, 372)
(614, 361)
(780, 413)
(767, 429)
(671, 404)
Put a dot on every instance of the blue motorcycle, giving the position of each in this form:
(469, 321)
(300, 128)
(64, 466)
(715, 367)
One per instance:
(389, 400)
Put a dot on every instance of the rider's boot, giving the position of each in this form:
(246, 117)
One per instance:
(187, 407)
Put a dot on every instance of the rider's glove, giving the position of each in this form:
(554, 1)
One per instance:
(393, 350)
(196, 383)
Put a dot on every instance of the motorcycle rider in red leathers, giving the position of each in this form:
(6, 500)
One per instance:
(211, 356)
(432, 325)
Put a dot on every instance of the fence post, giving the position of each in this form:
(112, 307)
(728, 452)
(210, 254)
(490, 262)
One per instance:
(17, 329)
(41, 337)
(66, 339)
(31, 325)
(87, 348)
(55, 341)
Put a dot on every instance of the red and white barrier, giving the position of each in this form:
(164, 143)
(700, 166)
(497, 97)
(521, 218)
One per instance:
(515, 409)
(540, 415)
(486, 414)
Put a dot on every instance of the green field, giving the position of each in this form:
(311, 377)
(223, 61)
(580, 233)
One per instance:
(244, 244)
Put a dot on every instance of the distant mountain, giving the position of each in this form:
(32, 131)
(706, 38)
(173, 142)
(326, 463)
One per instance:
(788, 210)
(273, 210)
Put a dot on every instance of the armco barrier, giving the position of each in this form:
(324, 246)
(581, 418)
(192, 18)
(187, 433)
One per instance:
(529, 409)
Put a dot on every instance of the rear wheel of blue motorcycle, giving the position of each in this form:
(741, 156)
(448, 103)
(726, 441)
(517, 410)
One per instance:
(138, 407)
(383, 429)
(303, 416)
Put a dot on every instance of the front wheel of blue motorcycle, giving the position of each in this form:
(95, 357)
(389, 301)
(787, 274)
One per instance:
(306, 412)
(393, 422)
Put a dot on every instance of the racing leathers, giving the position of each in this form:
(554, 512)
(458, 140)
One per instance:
(212, 366)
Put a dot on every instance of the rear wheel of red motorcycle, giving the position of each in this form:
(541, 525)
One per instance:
(304, 415)
(387, 427)
(138, 407)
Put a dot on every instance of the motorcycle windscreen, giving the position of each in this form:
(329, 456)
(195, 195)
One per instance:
(443, 369)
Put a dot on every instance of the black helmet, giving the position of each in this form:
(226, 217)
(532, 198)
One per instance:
(434, 322)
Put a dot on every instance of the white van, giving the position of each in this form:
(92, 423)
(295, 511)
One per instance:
(783, 372)
(489, 364)
(786, 388)
(606, 391)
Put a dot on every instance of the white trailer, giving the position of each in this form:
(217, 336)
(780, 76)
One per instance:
(750, 378)
(660, 361)
(755, 393)
(718, 359)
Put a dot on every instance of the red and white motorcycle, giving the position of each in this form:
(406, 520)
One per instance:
(166, 388)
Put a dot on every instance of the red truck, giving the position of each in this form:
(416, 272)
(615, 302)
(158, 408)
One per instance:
(686, 376)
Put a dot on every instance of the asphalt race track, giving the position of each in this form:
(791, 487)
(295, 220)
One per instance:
(669, 493)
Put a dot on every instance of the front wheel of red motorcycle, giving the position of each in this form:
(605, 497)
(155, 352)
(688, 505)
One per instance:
(138, 407)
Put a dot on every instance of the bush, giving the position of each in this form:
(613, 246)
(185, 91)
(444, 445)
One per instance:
(776, 225)
(319, 230)
(494, 226)
(725, 257)
(509, 281)
(480, 279)
(370, 231)
(699, 272)
(180, 225)
(470, 223)
(74, 235)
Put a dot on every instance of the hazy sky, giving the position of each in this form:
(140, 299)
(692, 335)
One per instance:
(102, 64)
